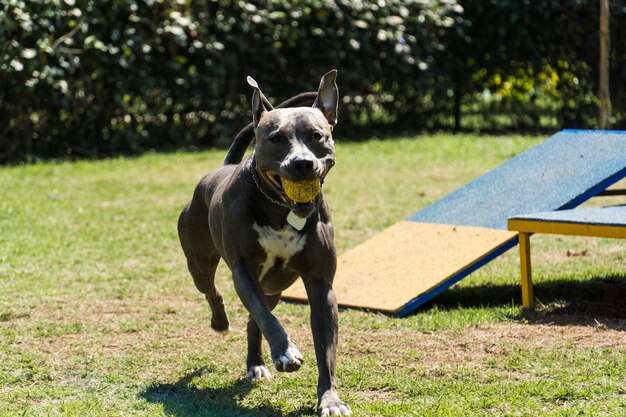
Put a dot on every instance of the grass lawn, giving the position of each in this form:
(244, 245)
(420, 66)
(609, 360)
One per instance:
(99, 316)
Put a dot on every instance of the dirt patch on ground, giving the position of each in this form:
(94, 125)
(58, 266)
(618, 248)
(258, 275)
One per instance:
(470, 348)
(67, 327)
(589, 251)
(175, 330)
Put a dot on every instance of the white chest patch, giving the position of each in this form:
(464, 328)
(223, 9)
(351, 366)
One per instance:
(283, 244)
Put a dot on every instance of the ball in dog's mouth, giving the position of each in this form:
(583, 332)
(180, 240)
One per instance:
(301, 192)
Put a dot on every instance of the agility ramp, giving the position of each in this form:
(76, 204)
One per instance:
(417, 259)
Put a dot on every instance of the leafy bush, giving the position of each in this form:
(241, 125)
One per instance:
(98, 77)
(93, 78)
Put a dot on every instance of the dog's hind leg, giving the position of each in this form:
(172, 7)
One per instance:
(202, 258)
(254, 362)
(202, 269)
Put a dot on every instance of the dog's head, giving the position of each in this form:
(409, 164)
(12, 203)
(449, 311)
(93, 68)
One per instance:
(295, 144)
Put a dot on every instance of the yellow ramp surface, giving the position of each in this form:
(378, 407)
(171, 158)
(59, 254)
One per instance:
(406, 260)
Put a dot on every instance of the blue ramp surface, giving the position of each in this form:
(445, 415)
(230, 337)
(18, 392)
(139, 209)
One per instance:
(418, 258)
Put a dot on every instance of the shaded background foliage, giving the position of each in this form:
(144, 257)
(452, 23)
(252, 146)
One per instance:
(99, 77)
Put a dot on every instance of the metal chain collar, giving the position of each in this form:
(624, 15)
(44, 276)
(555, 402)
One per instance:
(256, 181)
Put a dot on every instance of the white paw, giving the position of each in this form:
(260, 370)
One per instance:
(289, 361)
(259, 372)
(342, 410)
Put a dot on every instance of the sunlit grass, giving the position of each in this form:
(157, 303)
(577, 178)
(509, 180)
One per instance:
(98, 316)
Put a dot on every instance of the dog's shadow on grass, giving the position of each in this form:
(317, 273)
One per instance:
(595, 301)
(183, 398)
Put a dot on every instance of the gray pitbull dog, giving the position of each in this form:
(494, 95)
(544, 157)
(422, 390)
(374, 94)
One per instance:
(241, 214)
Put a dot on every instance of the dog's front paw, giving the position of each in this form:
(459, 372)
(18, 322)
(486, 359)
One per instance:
(290, 360)
(258, 372)
(331, 405)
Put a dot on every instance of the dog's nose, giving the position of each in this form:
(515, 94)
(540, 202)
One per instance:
(300, 166)
(303, 164)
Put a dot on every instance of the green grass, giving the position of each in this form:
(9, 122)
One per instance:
(98, 316)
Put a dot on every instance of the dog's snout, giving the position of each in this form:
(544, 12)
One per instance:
(301, 165)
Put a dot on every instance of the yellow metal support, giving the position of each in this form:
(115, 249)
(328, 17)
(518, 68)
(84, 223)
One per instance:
(564, 228)
(527, 281)
(527, 226)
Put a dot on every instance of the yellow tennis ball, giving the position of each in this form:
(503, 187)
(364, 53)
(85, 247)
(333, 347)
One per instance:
(301, 191)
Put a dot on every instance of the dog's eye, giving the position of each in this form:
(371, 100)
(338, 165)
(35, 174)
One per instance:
(274, 138)
(317, 136)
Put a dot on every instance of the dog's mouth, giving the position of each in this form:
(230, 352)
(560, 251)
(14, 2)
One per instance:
(305, 200)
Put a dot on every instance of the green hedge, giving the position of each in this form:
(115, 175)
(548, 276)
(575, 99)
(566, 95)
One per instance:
(95, 78)
(99, 77)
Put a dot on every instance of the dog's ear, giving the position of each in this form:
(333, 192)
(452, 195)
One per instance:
(260, 104)
(328, 97)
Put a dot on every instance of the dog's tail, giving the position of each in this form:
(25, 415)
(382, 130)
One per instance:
(246, 135)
